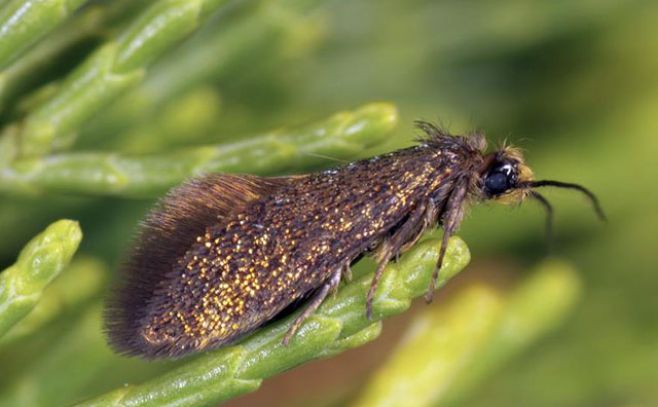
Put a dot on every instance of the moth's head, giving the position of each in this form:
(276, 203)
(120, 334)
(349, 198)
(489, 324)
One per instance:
(504, 176)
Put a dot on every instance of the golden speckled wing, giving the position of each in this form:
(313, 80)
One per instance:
(252, 246)
(165, 236)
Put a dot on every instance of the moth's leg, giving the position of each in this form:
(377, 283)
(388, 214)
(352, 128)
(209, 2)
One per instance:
(391, 246)
(452, 217)
(346, 273)
(330, 285)
(428, 219)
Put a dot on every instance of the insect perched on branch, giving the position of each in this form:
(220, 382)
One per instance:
(223, 254)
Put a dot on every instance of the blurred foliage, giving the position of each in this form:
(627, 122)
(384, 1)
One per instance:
(472, 336)
(39, 263)
(102, 102)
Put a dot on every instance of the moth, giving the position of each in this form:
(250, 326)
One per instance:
(223, 254)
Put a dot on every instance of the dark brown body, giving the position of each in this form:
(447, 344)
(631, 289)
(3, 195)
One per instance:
(224, 254)
(270, 242)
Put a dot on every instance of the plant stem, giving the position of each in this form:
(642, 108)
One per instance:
(343, 135)
(24, 22)
(42, 259)
(114, 68)
(82, 280)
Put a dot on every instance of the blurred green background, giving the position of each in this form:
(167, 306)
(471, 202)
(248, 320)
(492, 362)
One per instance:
(572, 83)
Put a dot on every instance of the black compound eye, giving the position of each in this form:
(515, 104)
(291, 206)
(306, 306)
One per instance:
(496, 183)
(500, 179)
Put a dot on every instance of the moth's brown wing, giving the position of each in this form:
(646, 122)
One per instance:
(165, 236)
